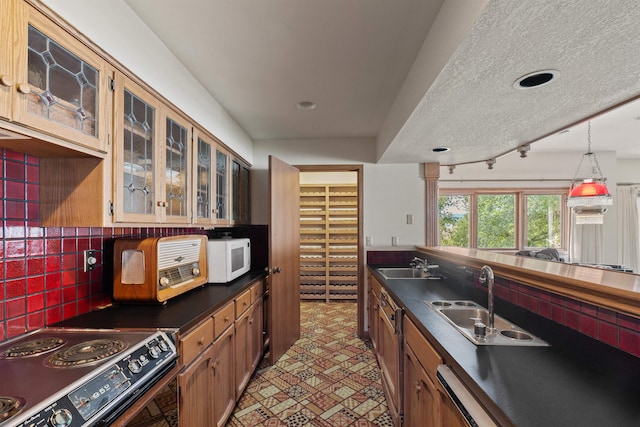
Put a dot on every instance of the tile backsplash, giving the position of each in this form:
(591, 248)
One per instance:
(41, 276)
(612, 328)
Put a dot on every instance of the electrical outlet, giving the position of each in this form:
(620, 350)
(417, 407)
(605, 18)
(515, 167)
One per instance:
(409, 219)
(90, 260)
(394, 240)
(368, 241)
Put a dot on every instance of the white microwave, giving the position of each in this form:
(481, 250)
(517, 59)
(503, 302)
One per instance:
(228, 259)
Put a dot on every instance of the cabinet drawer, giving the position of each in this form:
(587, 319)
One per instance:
(426, 354)
(256, 291)
(196, 341)
(243, 302)
(223, 318)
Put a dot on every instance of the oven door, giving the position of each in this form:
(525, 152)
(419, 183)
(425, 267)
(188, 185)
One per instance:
(156, 402)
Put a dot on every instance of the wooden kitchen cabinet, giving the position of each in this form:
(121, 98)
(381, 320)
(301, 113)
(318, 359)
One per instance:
(224, 383)
(240, 192)
(374, 307)
(50, 81)
(152, 158)
(196, 385)
(389, 355)
(421, 398)
(249, 335)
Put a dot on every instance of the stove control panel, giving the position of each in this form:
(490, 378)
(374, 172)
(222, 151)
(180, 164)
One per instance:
(97, 394)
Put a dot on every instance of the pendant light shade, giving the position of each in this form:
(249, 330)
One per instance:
(591, 193)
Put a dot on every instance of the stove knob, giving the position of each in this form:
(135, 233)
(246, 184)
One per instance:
(154, 352)
(163, 345)
(134, 366)
(61, 418)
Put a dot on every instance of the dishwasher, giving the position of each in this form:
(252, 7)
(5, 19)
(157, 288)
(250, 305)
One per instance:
(471, 410)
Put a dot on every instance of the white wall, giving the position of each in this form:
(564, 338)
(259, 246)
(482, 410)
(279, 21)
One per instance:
(390, 191)
(114, 27)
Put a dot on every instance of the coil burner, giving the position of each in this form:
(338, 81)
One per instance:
(33, 347)
(9, 406)
(86, 353)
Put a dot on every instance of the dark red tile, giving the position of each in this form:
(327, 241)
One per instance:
(630, 341)
(69, 294)
(14, 170)
(15, 288)
(69, 278)
(557, 314)
(2, 334)
(35, 266)
(33, 211)
(33, 192)
(572, 319)
(572, 304)
(84, 305)
(53, 280)
(53, 315)
(588, 326)
(14, 190)
(15, 210)
(14, 156)
(15, 268)
(608, 333)
(53, 298)
(83, 244)
(83, 290)
(630, 323)
(544, 309)
(35, 302)
(33, 174)
(35, 320)
(1, 312)
(70, 310)
(70, 261)
(95, 242)
(17, 326)
(16, 307)
(69, 245)
(53, 263)
(53, 246)
(35, 284)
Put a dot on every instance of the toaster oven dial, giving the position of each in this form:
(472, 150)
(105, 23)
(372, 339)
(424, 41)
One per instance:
(61, 418)
(164, 281)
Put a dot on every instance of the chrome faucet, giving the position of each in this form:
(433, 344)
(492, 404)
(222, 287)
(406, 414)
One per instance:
(487, 278)
(419, 263)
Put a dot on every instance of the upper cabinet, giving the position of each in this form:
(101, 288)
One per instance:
(50, 81)
(240, 193)
(152, 157)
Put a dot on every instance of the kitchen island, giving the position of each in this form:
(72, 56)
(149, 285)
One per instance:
(575, 381)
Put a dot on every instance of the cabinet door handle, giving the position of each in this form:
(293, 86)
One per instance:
(6, 80)
(226, 319)
(201, 342)
(24, 88)
(418, 387)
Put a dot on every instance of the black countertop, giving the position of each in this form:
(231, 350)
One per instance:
(577, 381)
(179, 313)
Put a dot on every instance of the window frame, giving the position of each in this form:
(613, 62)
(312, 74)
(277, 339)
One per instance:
(520, 213)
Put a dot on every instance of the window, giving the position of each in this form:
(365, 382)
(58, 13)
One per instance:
(503, 219)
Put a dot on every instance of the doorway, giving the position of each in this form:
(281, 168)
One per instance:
(331, 249)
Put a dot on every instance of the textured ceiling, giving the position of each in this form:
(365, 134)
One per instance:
(258, 59)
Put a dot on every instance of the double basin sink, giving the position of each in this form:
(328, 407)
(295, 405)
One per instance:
(465, 315)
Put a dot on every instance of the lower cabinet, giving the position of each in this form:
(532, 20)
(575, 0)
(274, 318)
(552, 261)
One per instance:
(224, 397)
(196, 387)
(420, 395)
(219, 356)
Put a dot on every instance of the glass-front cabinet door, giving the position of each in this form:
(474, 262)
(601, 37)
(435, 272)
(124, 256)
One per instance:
(59, 86)
(221, 207)
(176, 171)
(239, 192)
(203, 179)
(136, 156)
(7, 79)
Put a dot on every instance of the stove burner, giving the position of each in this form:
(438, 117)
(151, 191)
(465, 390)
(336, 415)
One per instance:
(10, 406)
(33, 347)
(86, 353)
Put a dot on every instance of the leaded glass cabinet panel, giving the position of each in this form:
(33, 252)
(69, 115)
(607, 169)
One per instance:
(176, 170)
(222, 185)
(61, 86)
(204, 182)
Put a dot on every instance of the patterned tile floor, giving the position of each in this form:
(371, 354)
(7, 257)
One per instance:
(328, 378)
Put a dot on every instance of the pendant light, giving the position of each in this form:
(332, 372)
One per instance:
(590, 197)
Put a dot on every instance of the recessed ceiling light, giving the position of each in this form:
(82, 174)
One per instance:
(536, 79)
(441, 149)
(307, 105)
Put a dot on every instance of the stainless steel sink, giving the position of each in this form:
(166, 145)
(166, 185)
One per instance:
(464, 315)
(406, 273)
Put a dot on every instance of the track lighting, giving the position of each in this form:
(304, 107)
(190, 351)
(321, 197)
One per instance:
(451, 168)
(523, 149)
(490, 163)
